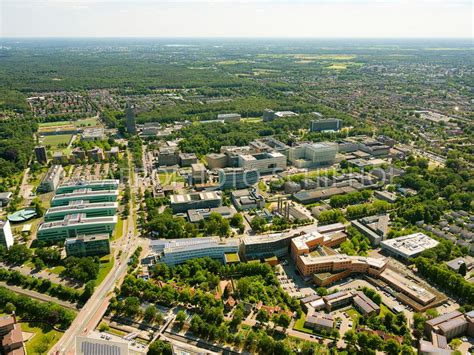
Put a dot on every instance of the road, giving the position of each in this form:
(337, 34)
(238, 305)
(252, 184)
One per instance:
(38, 296)
(92, 312)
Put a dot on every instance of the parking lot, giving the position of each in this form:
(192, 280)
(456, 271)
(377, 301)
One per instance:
(291, 282)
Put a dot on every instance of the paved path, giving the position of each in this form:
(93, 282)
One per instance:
(39, 296)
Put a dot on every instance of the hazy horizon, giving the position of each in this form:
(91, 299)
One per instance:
(305, 19)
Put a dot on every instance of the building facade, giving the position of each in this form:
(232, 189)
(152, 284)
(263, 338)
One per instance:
(6, 236)
(91, 245)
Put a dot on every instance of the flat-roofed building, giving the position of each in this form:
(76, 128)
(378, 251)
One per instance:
(41, 154)
(265, 162)
(247, 199)
(264, 246)
(51, 180)
(168, 156)
(94, 185)
(309, 155)
(268, 115)
(92, 346)
(5, 198)
(409, 246)
(407, 287)
(178, 251)
(338, 266)
(373, 227)
(237, 178)
(311, 196)
(269, 144)
(99, 209)
(195, 200)
(91, 134)
(6, 236)
(216, 160)
(308, 242)
(187, 159)
(327, 124)
(200, 214)
(198, 173)
(229, 117)
(74, 225)
(85, 195)
(88, 245)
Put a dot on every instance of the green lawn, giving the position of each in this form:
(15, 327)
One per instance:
(105, 268)
(43, 339)
(86, 122)
(118, 231)
(55, 140)
(299, 325)
(354, 316)
(168, 178)
(57, 269)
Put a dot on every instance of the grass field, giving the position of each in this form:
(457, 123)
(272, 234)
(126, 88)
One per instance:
(168, 178)
(118, 231)
(299, 325)
(55, 140)
(43, 339)
(85, 122)
(105, 268)
(57, 269)
(252, 119)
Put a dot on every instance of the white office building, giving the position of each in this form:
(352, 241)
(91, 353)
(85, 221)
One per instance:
(265, 162)
(309, 155)
(6, 236)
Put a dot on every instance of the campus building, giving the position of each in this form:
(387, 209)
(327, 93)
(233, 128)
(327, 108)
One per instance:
(265, 162)
(41, 155)
(328, 124)
(320, 322)
(229, 117)
(247, 199)
(130, 119)
(308, 242)
(74, 225)
(373, 227)
(237, 178)
(265, 246)
(216, 160)
(88, 245)
(85, 195)
(6, 236)
(51, 180)
(99, 209)
(187, 159)
(451, 325)
(177, 251)
(310, 155)
(269, 144)
(327, 269)
(203, 213)
(195, 200)
(11, 336)
(94, 185)
(409, 246)
(168, 156)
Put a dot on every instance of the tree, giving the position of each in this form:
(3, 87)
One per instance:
(262, 316)
(181, 317)
(9, 308)
(257, 224)
(284, 320)
(18, 254)
(132, 306)
(160, 347)
(88, 291)
(150, 314)
(392, 347)
(462, 269)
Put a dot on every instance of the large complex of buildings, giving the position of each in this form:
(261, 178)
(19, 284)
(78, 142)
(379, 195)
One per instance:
(409, 246)
(85, 195)
(327, 269)
(327, 124)
(309, 155)
(99, 209)
(93, 185)
(6, 236)
(75, 225)
(88, 245)
(51, 179)
(177, 251)
(195, 200)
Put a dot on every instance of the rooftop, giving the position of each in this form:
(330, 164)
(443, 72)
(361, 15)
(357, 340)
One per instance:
(412, 244)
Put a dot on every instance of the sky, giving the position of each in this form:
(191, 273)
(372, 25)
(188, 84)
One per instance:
(237, 18)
